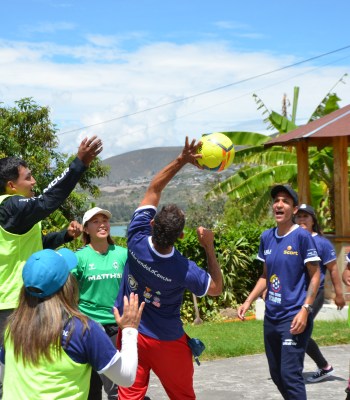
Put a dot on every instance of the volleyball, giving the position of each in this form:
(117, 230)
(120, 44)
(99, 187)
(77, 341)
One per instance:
(217, 152)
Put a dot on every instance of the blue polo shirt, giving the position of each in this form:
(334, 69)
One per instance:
(287, 276)
(159, 280)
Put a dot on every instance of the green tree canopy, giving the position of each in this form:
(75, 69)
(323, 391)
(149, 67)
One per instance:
(26, 131)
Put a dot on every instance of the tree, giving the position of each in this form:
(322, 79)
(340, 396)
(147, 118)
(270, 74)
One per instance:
(261, 168)
(26, 131)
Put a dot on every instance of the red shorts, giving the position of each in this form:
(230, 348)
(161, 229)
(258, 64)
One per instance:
(171, 361)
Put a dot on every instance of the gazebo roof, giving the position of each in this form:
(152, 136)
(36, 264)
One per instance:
(332, 130)
(319, 132)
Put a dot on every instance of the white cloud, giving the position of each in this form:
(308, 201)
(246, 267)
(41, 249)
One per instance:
(105, 83)
(49, 27)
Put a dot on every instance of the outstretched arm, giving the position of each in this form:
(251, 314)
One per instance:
(123, 371)
(163, 177)
(206, 240)
(300, 320)
(346, 274)
(335, 278)
(259, 288)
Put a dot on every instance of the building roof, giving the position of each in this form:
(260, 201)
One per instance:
(319, 132)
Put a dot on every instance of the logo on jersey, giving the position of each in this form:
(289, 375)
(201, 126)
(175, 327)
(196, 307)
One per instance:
(290, 251)
(156, 303)
(91, 267)
(289, 342)
(275, 283)
(275, 287)
(132, 282)
(267, 252)
(115, 265)
(147, 293)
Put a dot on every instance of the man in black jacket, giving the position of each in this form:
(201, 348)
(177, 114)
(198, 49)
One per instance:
(21, 214)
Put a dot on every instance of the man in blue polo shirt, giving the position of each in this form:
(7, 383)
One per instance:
(291, 278)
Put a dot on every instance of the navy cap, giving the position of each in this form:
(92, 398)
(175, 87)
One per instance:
(46, 271)
(287, 189)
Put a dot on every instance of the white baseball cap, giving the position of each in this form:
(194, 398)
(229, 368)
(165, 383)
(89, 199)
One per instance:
(93, 211)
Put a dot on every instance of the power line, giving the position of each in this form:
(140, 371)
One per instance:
(234, 98)
(208, 91)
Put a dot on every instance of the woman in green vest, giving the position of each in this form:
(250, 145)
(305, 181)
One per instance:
(50, 347)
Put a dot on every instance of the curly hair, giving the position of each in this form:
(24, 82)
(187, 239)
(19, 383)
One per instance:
(168, 225)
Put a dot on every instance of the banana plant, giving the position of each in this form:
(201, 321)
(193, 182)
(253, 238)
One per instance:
(260, 168)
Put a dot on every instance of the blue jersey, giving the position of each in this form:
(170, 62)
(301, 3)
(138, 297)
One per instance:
(326, 253)
(287, 276)
(93, 347)
(348, 258)
(159, 280)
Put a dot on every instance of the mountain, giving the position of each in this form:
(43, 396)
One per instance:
(130, 174)
(146, 163)
(138, 164)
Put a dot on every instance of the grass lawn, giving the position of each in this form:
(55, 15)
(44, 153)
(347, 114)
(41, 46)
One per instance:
(232, 339)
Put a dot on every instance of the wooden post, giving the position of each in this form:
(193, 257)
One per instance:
(303, 172)
(341, 186)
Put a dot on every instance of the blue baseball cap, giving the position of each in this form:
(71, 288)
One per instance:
(46, 271)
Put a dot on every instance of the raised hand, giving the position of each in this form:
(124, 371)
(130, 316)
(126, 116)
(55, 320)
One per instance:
(131, 312)
(89, 149)
(205, 236)
(74, 229)
(189, 153)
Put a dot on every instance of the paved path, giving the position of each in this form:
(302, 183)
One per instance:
(247, 378)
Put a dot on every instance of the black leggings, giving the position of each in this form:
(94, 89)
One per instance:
(312, 350)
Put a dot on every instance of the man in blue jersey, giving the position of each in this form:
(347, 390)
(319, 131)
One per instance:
(291, 277)
(159, 274)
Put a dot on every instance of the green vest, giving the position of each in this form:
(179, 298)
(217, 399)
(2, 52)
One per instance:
(14, 252)
(62, 378)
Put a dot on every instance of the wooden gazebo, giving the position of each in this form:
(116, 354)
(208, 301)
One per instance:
(333, 130)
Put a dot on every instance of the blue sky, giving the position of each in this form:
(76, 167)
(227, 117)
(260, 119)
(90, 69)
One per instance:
(121, 69)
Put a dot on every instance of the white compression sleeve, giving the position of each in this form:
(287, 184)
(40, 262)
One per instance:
(123, 370)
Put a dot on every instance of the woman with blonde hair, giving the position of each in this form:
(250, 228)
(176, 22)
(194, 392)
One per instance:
(50, 347)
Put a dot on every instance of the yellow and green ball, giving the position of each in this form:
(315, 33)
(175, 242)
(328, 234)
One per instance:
(217, 152)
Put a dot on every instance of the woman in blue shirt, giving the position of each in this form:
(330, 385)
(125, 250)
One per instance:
(306, 218)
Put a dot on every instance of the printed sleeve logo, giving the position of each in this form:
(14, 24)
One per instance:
(311, 253)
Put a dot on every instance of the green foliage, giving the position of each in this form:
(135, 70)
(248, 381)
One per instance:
(120, 241)
(234, 339)
(26, 131)
(236, 249)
